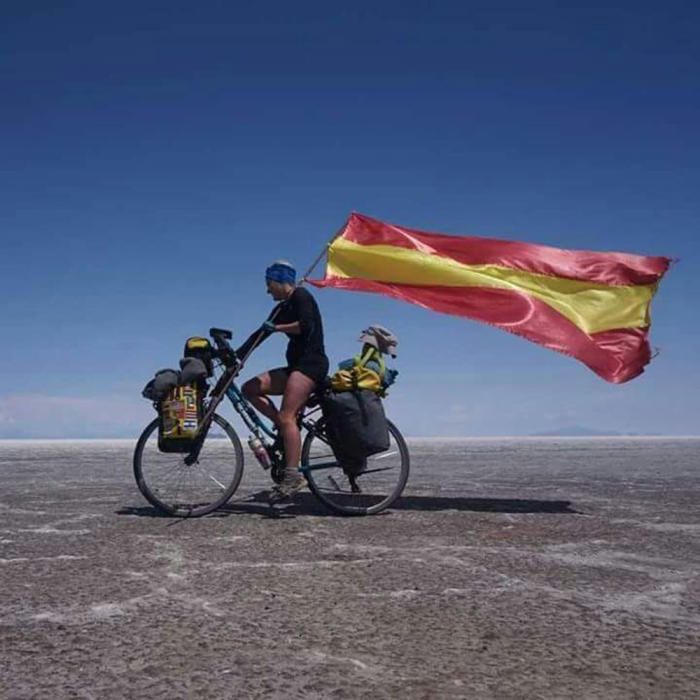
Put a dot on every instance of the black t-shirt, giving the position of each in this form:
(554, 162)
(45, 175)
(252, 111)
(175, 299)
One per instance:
(308, 345)
(302, 307)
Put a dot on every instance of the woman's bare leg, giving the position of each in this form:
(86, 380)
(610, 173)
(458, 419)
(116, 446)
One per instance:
(257, 389)
(296, 392)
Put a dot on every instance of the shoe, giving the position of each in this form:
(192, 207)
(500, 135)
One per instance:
(290, 485)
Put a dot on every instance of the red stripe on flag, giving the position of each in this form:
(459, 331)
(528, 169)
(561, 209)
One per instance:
(617, 356)
(587, 266)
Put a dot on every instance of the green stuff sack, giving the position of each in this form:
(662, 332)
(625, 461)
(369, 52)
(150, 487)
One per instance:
(359, 375)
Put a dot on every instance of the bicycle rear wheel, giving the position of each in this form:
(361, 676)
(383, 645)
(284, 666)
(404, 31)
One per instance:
(371, 491)
(189, 491)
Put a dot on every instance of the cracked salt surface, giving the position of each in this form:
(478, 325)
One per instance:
(59, 557)
(103, 612)
(53, 529)
(106, 611)
(472, 587)
(690, 528)
(665, 601)
(48, 530)
(321, 657)
(302, 565)
(655, 567)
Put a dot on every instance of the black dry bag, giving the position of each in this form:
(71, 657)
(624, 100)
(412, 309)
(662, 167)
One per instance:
(356, 427)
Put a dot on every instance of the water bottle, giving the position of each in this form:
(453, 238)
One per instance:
(258, 449)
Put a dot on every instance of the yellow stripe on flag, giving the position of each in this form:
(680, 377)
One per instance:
(592, 307)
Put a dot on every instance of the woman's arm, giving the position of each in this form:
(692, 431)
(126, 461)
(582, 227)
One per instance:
(291, 328)
(255, 339)
(258, 336)
(264, 332)
(305, 309)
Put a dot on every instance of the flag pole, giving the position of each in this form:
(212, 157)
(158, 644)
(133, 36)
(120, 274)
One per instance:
(338, 233)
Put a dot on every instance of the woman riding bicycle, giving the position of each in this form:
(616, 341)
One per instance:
(297, 315)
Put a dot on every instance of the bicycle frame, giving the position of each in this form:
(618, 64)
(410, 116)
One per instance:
(250, 417)
(247, 413)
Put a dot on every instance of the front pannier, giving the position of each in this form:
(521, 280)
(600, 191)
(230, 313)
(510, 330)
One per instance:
(356, 427)
(179, 415)
(178, 397)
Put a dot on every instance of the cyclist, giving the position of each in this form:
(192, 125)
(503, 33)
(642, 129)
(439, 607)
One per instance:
(298, 317)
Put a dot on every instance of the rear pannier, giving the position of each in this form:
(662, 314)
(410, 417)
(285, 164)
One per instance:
(356, 427)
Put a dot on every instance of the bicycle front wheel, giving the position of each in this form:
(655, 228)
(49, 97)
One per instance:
(177, 488)
(375, 488)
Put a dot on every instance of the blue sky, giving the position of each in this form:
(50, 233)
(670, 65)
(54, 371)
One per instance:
(157, 156)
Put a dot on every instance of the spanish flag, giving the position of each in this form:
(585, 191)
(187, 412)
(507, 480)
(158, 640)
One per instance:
(590, 305)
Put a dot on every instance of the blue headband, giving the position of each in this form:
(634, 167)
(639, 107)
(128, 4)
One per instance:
(277, 272)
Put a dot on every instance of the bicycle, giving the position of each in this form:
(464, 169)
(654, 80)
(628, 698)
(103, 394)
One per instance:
(201, 481)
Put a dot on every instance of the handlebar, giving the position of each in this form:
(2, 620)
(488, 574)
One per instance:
(220, 332)
(224, 351)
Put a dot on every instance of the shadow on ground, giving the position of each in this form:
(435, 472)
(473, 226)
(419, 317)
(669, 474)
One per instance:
(307, 504)
(488, 505)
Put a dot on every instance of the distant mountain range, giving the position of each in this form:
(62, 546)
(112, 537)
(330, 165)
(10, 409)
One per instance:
(582, 431)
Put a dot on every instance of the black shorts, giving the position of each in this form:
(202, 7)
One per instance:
(315, 368)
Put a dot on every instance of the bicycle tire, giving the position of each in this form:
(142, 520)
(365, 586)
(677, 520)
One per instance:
(380, 476)
(164, 477)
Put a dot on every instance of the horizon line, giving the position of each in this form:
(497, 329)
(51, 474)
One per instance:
(407, 437)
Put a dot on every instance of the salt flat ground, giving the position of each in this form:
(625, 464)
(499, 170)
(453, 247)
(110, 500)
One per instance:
(540, 568)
